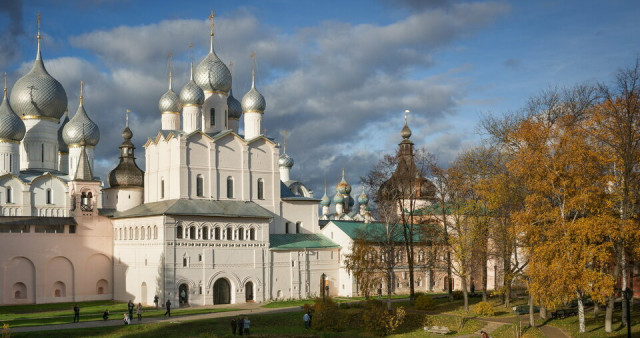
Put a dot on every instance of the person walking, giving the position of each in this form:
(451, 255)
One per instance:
(247, 324)
(168, 304)
(306, 319)
(234, 325)
(139, 311)
(76, 314)
(130, 307)
(155, 301)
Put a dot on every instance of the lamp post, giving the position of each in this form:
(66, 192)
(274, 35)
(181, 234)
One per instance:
(628, 294)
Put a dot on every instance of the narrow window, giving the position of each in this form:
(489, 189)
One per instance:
(185, 261)
(199, 258)
(205, 233)
(286, 228)
(199, 186)
(42, 152)
(212, 115)
(229, 187)
(155, 232)
(9, 195)
(162, 188)
(226, 117)
(252, 234)
(229, 234)
(260, 189)
(297, 227)
(241, 234)
(192, 233)
(10, 162)
(216, 234)
(179, 232)
(49, 197)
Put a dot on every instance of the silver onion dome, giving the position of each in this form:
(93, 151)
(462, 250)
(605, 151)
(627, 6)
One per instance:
(253, 102)
(212, 75)
(285, 161)
(235, 108)
(191, 94)
(81, 128)
(11, 126)
(169, 102)
(406, 132)
(38, 94)
(62, 146)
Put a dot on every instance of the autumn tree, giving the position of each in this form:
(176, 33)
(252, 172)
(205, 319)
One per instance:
(363, 264)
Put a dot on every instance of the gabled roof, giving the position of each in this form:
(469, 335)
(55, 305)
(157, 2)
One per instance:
(300, 241)
(374, 231)
(184, 207)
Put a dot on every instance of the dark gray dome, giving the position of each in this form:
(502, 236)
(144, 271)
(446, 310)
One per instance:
(235, 108)
(62, 147)
(80, 128)
(38, 94)
(11, 126)
(127, 172)
(406, 132)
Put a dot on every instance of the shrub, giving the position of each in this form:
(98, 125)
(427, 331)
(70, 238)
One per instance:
(327, 316)
(484, 309)
(457, 295)
(425, 303)
(377, 319)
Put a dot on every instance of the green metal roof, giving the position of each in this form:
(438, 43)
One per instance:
(184, 207)
(375, 231)
(300, 241)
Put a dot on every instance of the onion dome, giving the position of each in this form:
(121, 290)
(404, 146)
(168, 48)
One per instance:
(363, 199)
(11, 126)
(235, 108)
(253, 101)
(38, 94)
(212, 75)
(406, 132)
(191, 94)
(352, 202)
(325, 201)
(81, 127)
(285, 161)
(127, 173)
(343, 187)
(62, 147)
(169, 101)
(338, 198)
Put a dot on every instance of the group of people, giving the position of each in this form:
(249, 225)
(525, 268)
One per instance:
(128, 317)
(241, 325)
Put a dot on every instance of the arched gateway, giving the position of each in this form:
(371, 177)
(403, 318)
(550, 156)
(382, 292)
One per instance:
(221, 292)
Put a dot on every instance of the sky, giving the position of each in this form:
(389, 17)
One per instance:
(336, 75)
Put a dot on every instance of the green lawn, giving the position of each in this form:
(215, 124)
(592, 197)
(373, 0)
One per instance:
(60, 313)
(595, 327)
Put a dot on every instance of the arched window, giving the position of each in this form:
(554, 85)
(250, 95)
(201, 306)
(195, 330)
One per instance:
(216, 234)
(130, 233)
(148, 232)
(49, 197)
(200, 186)
(192, 233)
(297, 227)
(179, 232)
(9, 195)
(252, 234)
(162, 188)
(137, 233)
(241, 234)
(155, 232)
(229, 234)
(205, 232)
(260, 189)
(212, 116)
(86, 201)
(142, 234)
(229, 187)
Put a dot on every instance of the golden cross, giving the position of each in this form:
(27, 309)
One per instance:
(211, 17)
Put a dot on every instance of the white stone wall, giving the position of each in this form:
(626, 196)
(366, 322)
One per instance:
(41, 139)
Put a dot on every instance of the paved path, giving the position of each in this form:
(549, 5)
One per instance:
(243, 309)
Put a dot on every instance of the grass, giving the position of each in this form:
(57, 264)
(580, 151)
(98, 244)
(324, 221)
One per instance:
(595, 326)
(61, 313)
(509, 331)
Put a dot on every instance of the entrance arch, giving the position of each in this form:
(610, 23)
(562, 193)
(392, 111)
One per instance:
(221, 292)
(183, 293)
(248, 295)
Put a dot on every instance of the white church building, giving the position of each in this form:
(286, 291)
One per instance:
(213, 219)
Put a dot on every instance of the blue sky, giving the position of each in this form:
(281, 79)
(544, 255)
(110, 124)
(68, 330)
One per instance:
(336, 74)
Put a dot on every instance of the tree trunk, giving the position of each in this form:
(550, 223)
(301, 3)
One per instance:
(532, 321)
(507, 295)
(608, 316)
(623, 271)
(449, 275)
(465, 294)
(543, 312)
(389, 287)
(596, 310)
(583, 329)
(485, 266)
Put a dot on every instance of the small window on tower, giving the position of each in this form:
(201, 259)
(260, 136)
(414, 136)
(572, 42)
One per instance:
(199, 186)
(49, 197)
(229, 187)
(260, 189)
(9, 195)
(213, 117)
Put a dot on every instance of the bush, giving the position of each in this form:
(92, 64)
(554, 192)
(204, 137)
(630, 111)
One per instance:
(425, 303)
(377, 319)
(457, 295)
(327, 316)
(484, 309)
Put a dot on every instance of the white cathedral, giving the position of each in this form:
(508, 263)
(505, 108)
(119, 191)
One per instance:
(213, 219)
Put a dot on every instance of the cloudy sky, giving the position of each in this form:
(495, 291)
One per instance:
(337, 75)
